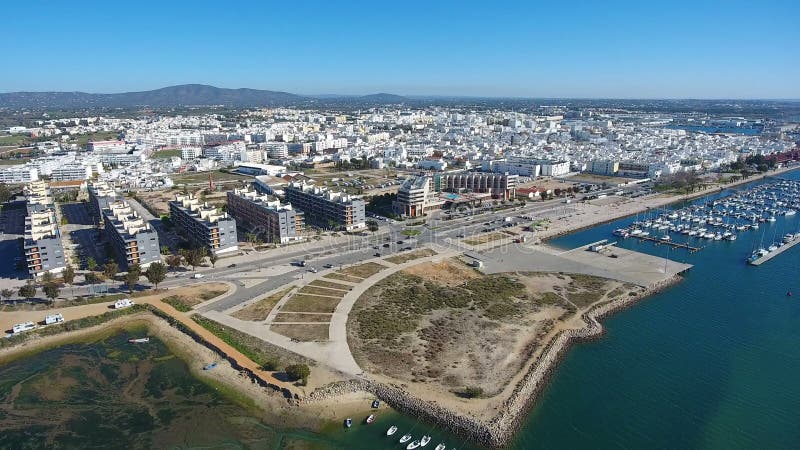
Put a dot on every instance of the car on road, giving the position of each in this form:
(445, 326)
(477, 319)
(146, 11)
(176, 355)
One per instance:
(377, 254)
(232, 266)
(328, 266)
(198, 275)
(406, 248)
(312, 270)
(375, 247)
(386, 245)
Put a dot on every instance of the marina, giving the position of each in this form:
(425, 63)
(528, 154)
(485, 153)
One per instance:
(766, 257)
(725, 219)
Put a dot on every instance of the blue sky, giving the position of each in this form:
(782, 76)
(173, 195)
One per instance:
(611, 49)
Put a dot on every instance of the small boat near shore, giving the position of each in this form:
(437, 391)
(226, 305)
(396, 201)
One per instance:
(370, 419)
(210, 366)
(440, 447)
(412, 445)
(392, 430)
(143, 340)
(348, 422)
(376, 404)
(424, 441)
(405, 438)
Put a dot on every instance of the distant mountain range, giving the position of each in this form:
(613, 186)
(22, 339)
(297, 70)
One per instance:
(182, 95)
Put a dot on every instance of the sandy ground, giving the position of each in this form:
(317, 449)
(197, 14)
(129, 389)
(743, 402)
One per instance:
(491, 354)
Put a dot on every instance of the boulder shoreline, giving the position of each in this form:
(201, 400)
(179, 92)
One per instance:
(501, 429)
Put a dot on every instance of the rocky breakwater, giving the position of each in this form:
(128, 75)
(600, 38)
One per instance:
(503, 426)
(500, 430)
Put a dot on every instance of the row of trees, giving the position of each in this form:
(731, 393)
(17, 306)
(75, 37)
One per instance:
(192, 257)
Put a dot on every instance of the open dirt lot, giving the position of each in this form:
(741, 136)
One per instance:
(365, 270)
(311, 303)
(450, 327)
(410, 256)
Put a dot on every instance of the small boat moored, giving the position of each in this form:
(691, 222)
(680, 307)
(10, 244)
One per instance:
(405, 438)
(348, 422)
(210, 366)
(424, 441)
(440, 447)
(376, 403)
(143, 340)
(412, 445)
(392, 430)
(370, 419)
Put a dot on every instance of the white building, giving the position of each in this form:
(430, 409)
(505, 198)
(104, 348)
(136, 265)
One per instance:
(18, 174)
(190, 153)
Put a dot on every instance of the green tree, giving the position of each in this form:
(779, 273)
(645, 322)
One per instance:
(68, 274)
(5, 193)
(51, 290)
(91, 264)
(47, 277)
(193, 257)
(135, 268)
(28, 291)
(156, 273)
(164, 250)
(213, 258)
(174, 261)
(298, 372)
(7, 294)
(110, 269)
(131, 278)
(372, 226)
(91, 278)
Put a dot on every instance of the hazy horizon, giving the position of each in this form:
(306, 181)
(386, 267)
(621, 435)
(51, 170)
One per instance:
(608, 50)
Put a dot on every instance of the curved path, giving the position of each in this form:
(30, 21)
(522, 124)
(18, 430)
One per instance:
(334, 353)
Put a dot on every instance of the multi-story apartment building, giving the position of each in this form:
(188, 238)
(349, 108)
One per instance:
(134, 241)
(527, 167)
(414, 196)
(325, 208)
(70, 172)
(280, 223)
(44, 251)
(101, 194)
(203, 224)
(106, 146)
(18, 174)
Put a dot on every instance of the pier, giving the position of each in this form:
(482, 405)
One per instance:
(775, 253)
(672, 244)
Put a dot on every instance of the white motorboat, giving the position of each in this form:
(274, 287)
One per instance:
(392, 430)
(405, 438)
(440, 447)
(412, 445)
(424, 441)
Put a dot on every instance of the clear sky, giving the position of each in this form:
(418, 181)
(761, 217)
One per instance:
(601, 48)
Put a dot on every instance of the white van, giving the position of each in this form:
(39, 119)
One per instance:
(22, 327)
(53, 318)
(124, 303)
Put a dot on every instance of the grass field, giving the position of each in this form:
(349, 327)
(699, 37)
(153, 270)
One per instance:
(202, 177)
(164, 154)
(259, 310)
(410, 256)
(315, 290)
(13, 162)
(300, 317)
(304, 333)
(330, 285)
(311, 303)
(410, 232)
(365, 270)
(340, 277)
